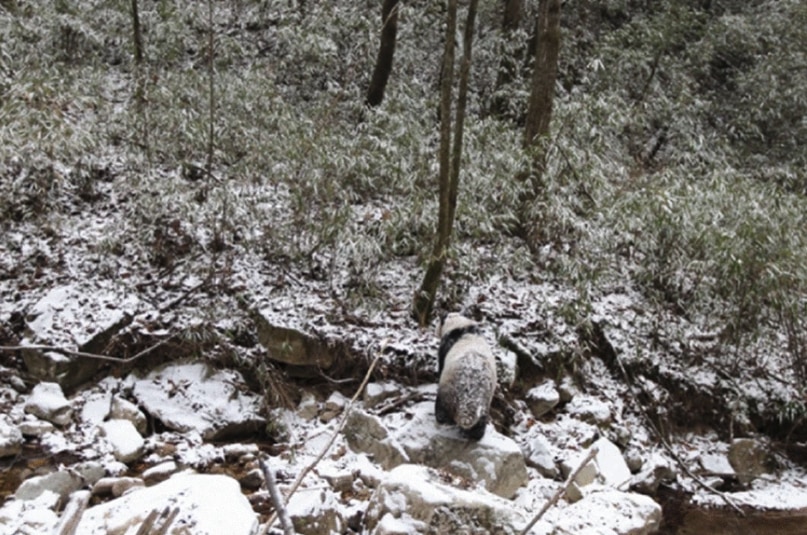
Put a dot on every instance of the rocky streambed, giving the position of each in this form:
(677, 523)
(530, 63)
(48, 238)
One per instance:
(175, 444)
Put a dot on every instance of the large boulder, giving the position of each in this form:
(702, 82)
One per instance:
(79, 318)
(750, 458)
(294, 346)
(496, 461)
(193, 396)
(417, 499)
(206, 504)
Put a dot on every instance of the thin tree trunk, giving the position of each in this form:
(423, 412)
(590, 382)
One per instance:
(544, 75)
(386, 52)
(138, 35)
(545, 70)
(450, 157)
(511, 21)
(424, 299)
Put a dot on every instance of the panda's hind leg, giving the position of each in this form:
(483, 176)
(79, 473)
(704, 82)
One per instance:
(441, 411)
(478, 430)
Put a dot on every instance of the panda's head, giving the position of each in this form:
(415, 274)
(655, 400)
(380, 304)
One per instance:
(454, 322)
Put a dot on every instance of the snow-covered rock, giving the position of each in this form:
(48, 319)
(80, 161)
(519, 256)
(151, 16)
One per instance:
(159, 472)
(10, 439)
(47, 401)
(61, 483)
(334, 406)
(35, 427)
(207, 504)
(538, 454)
(590, 409)
(656, 470)
(415, 499)
(608, 468)
(293, 346)
(116, 486)
(366, 433)
(496, 461)
(375, 393)
(314, 512)
(610, 512)
(122, 409)
(126, 443)
(308, 407)
(77, 317)
(193, 396)
(542, 398)
(30, 516)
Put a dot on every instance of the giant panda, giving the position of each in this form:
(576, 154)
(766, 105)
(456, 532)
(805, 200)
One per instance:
(467, 372)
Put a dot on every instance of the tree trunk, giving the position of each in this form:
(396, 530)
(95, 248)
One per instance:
(544, 75)
(450, 157)
(138, 35)
(511, 21)
(386, 51)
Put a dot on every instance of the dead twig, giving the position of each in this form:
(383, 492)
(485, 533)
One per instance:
(277, 499)
(561, 491)
(83, 354)
(345, 414)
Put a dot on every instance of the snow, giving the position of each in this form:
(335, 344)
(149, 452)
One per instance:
(126, 442)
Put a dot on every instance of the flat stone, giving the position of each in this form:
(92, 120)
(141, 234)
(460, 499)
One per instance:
(612, 512)
(77, 317)
(193, 396)
(127, 444)
(47, 401)
(542, 398)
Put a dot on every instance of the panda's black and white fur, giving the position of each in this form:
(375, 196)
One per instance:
(467, 371)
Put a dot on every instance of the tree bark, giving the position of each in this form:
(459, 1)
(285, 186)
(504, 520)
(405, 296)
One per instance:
(138, 35)
(511, 21)
(450, 157)
(544, 75)
(386, 52)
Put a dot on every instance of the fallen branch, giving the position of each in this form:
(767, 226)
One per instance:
(85, 355)
(561, 491)
(277, 499)
(345, 414)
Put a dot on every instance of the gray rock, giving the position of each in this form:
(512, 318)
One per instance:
(590, 409)
(657, 470)
(252, 480)
(750, 458)
(308, 407)
(293, 346)
(116, 486)
(334, 406)
(375, 393)
(716, 464)
(194, 396)
(567, 390)
(418, 498)
(47, 401)
(127, 444)
(610, 511)
(542, 398)
(35, 428)
(539, 455)
(365, 433)
(495, 461)
(75, 317)
(607, 468)
(313, 513)
(122, 409)
(11, 439)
